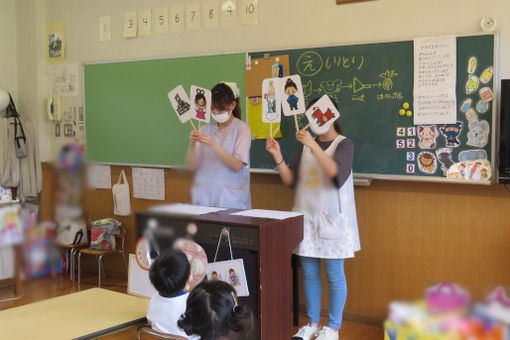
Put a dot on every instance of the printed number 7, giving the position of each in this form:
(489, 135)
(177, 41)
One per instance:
(192, 15)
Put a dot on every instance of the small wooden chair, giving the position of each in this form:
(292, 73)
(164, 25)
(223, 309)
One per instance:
(146, 333)
(100, 253)
(73, 250)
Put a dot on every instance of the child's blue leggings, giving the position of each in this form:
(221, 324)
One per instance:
(313, 289)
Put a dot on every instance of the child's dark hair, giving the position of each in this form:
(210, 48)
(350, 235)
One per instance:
(212, 311)
(336, 124)
(290, 83)
(169, 272)
(223, 97)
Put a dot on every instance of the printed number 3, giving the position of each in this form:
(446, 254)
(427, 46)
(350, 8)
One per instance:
(130, 23)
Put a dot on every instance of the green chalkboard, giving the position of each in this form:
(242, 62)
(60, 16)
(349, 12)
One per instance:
(371, 82)
(129, 119)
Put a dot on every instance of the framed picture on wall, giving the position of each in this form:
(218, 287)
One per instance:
(342, 2)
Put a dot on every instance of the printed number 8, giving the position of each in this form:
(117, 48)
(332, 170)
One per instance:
(211, 14)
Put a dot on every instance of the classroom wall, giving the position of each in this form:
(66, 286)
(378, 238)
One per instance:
(412, 234)
(8, 62)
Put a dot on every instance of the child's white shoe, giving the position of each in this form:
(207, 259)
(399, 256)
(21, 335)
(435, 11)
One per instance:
(326, 333)
(306, 332)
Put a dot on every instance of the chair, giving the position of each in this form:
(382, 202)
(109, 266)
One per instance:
(73, 250)
(100, 253)
(146, 333)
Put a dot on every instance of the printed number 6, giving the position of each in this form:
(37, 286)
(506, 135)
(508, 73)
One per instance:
(177, 18)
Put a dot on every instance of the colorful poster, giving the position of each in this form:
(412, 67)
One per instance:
(259, 129)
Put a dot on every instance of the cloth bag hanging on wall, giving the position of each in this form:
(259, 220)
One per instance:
(121, 196)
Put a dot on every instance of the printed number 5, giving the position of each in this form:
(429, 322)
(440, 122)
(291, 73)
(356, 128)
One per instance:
(161, 20)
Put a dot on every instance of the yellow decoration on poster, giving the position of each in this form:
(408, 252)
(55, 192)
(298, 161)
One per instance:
(258, 128)
(56, 42)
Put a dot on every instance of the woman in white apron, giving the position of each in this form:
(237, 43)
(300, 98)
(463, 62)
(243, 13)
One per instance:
(219, 154)
(321, 171)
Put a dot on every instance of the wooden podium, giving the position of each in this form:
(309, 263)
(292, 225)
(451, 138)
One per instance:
(266, 246)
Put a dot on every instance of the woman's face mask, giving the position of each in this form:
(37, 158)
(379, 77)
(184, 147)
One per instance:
(222, 117)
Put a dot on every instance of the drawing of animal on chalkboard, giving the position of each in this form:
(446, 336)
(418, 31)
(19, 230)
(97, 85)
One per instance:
(331, 86)
(427, 162)
(322, 118)
(427, 135)
(308, 89)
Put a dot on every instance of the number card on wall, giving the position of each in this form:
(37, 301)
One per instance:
(161, 20)
(210, 14)
(249, 12)
(177, 18)
(130, 25)
(193, 16)
(145, 23)
(228, 13)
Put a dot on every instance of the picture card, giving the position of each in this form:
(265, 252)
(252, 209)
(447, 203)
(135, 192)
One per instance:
(231, 272)
(291, 95)
(271, 104)
(201, 103)
(180, 103)
(321, 115)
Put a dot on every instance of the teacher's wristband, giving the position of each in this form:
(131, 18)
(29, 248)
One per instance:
(278, 164)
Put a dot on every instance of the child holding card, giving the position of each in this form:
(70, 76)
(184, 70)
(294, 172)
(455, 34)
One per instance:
(219, 154)
(322, 173)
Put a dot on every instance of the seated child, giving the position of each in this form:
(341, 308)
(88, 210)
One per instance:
(212, 312)
(169, 274)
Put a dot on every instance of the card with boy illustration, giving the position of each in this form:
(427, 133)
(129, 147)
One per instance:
(290, 92)
(322, 114)
(180, 103)
(201, 103)
(271, 105)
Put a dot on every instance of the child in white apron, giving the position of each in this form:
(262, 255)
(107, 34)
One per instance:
(219, 154)
(321, 171)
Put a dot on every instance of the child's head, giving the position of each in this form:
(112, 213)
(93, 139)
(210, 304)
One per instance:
(212, 311)
(169, 272)
(224, 99)
(231, 271)
(336, 124)
(214, 275)
(290, 87)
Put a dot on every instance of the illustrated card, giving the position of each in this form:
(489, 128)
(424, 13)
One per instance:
(271, 105)
(180, 103)
(201, 103)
